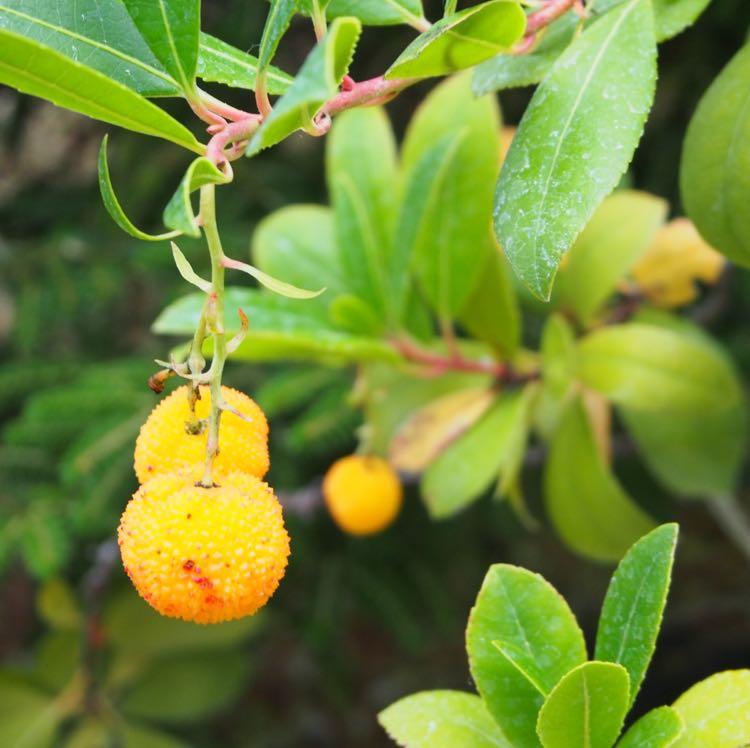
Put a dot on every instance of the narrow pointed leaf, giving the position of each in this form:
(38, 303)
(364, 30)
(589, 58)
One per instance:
(187, 272)
(575, 140)
(277, 23)
(659, 728)
(274, 284)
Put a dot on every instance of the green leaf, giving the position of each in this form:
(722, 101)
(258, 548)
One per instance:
(45, 540)
(186, 270)
(432, 719)
(57, 657)
(279, 329)
(316, 82)
(277, 23)
(171, 29)
(469, 465)
(586, 708)
(97, 33)
(220, 62)
(58, 606)
(510, 71)
(538, 642)
(652, 368)
(633, 608)
(659, 728)
(586, 504)
(272, 284)
(575, 141)
(179, 214)
(670, 16)
(40, 71)
(715, 173)
(28, 717)
(112, 204)
(716, 712)
(376, 12)
(362, 182)
(450, 158)
(138, 736)
(461, 40)
(616, 236)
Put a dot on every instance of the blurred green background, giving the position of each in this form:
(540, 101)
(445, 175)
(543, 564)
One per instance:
(356, 623)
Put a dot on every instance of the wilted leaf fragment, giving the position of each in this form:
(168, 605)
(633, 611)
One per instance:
(659, 728)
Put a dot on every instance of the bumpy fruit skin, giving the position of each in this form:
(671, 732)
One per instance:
(204, 554)
(165, 446)
(363, 494)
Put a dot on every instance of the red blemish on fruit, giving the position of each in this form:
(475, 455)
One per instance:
(188, 565)
(212, 600)
(204, 582)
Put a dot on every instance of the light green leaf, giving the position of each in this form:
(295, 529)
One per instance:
(28, 717)
(186, 270)
(461, 40)
(575, 141)
(618, 233)
(279, 329)
(362, 183)
(587, 708)
(277, 23)
(350, 313)
(376, 12)
(715, 174)
(40, 71)
(179, 214)
(58, 607)
(97, 33)
(634, 605)
(529, 620)
(469, 465)
(171, 29)
(316, 82)
(670, 16)
(220, 62)
(659, 728)
(652, 368)
(442, 719)
(586, 504)
(112, 204)
(716, 712)
(272, 284)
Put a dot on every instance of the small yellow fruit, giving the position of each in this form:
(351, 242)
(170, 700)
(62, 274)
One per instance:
(363, 494)
(204, 554)
(165, 444)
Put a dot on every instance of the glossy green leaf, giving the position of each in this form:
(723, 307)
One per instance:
(461, 40)
(179, 214)
(634, 605)
(431, 719)
(575, 140)
(28, 717)
(670, 16)
(279, 329)
(659, 728)
(521, 639)
(362, 183)
(715, 174)
(40, 71)
(510, 71)
(586, 503)
(651, 368)
(277, 23)
(112, 204)
(450, 158)
(468, 466)
(376, 12)
(616, 236)
(716, 712)
(587, 708)
(97, 33)
(171, 28)
(316, 83)
(219, 62)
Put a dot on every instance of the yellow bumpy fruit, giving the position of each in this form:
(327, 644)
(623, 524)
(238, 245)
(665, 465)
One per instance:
(166, 444)
(363, 494)
(204, 554)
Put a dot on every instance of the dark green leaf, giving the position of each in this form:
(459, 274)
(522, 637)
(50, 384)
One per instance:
(45, 540)
(670, 16)
(277, 23)
(376, 12)
(658, 728)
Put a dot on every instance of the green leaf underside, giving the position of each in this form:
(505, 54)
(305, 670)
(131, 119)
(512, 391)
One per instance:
(575, 141)
(715, 173)
(277, 23)
(112, 204)
(97, 33)
(179, 214)
(41, 71)
(279, 328)
(634, 605)
(171, 28)
(375, 12)
(586, 503)
(462, 40)
(316, 82)
(432, 719)
(659, 728)
(524, 615)
(586, 709)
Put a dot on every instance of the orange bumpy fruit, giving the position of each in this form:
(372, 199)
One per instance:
(363, 494)
(165, 444)
(204, 554)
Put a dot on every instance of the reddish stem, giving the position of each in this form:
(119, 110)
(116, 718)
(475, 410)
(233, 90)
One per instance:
(546, 15)
(367, 93)
(232, 133)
